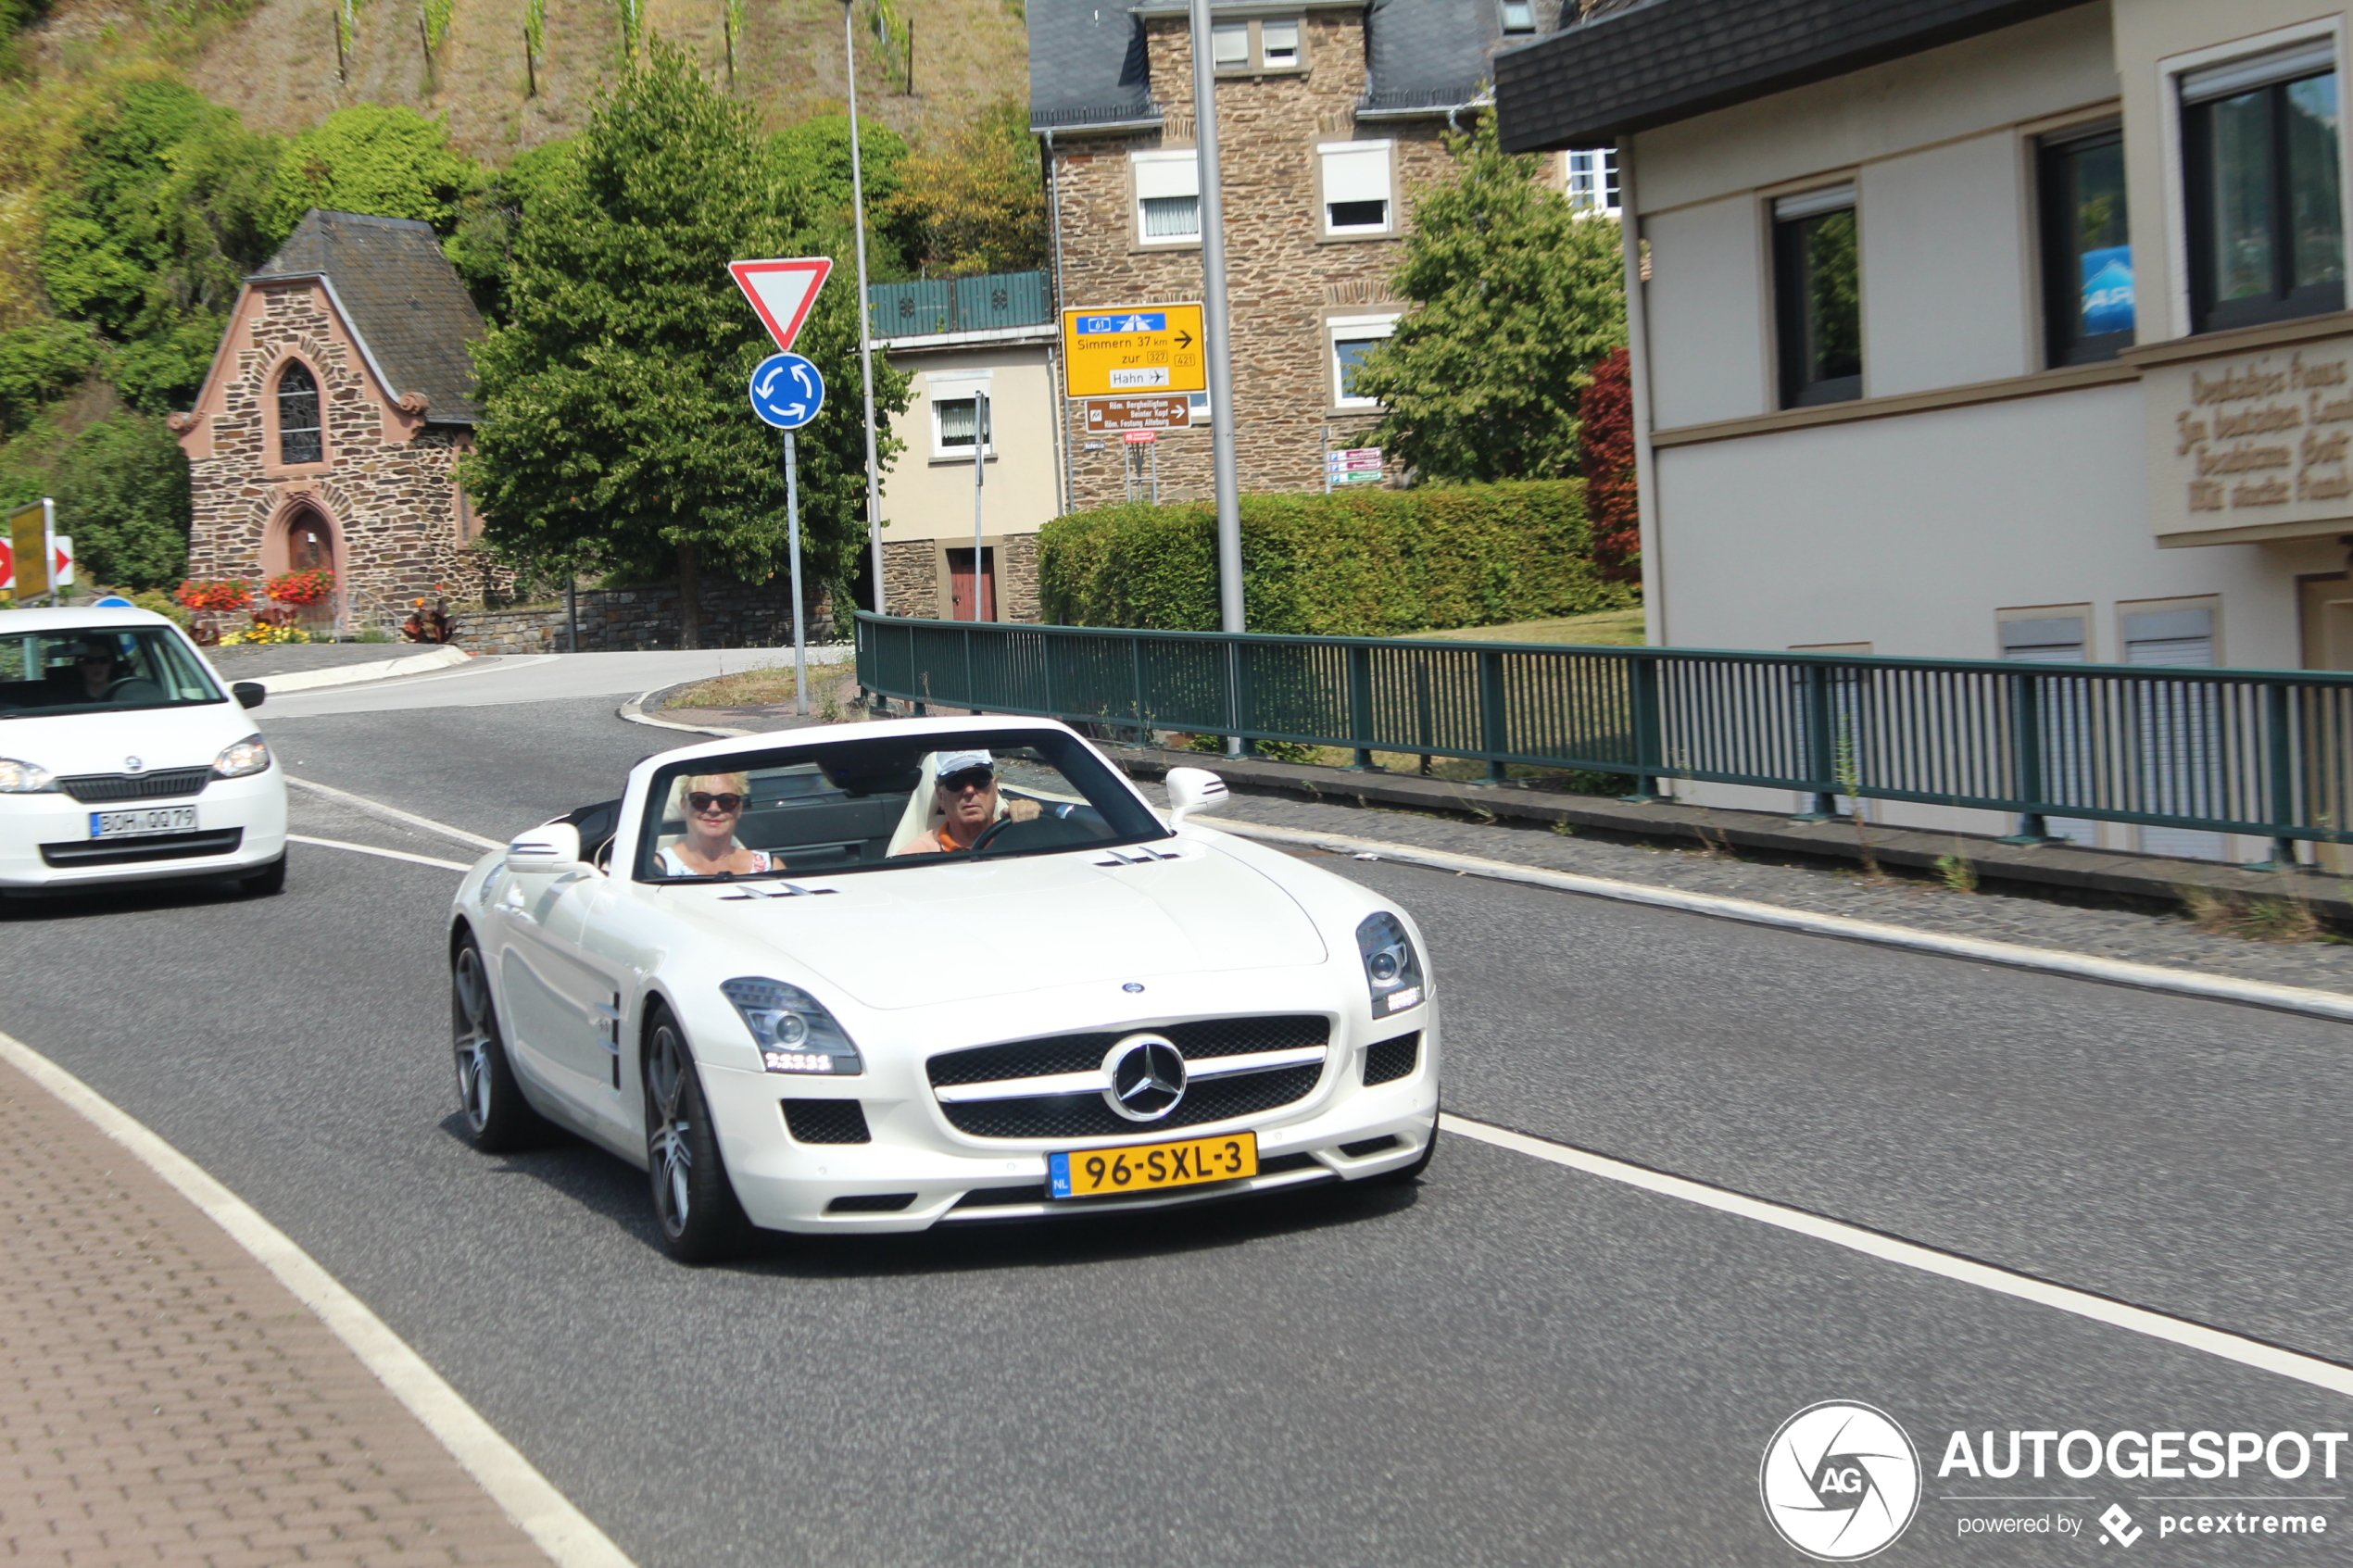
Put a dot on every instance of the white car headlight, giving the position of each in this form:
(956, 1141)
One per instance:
(248, 755)
(792, 1028)
(1392, 968)
(24, 778)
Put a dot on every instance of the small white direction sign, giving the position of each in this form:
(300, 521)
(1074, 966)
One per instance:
(782, 289)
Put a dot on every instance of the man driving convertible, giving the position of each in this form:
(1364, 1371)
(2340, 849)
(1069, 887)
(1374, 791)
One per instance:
(968, 798)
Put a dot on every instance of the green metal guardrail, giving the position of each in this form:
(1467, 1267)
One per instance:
(2266, 753)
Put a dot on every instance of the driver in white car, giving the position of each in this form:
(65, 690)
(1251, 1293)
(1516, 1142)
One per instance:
(968, 799)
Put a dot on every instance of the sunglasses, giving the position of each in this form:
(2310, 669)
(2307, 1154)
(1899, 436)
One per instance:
(970, 778)
(702, 802)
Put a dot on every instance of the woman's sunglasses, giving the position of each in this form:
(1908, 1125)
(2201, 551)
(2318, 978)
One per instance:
(702, 802)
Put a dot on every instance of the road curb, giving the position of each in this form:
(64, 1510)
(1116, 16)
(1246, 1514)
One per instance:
(2326, 1005)
(566, 1535)
(353, 674)
(635, 711)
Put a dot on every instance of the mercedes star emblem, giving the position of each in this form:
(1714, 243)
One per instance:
(1147, 1073)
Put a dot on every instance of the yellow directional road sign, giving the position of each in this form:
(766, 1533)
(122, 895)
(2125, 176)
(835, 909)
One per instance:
(1133, 348)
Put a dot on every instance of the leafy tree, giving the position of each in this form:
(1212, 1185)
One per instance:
(813, 159)
(977, 202)
(38, 362)
(383, 160)
(615, 426)
(1612, 504)
(122, 489)
(1516, 297)
(482, 247)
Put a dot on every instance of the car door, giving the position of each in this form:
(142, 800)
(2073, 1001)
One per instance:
(591, 980)
(559, 1039)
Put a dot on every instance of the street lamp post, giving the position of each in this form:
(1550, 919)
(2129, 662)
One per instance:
(865, 337)
(1219, 344)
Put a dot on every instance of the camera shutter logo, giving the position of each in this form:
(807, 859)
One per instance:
(1840, 1481)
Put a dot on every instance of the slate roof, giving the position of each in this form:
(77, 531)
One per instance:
(1664, 60)
(399, 297)
(1087, 66)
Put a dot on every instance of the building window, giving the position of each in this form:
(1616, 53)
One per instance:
(1817, 297)
(952, 420)
(2178, 726)
(1356, 195)
(1352, 338)
(299, 437)
(1256, 46)
(1519, 17)
(2066, 708)
(2087, 246)
(2266, 209)
(1167, 197)
(1592, 180)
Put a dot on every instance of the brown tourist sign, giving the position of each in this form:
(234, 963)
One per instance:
(1107, 415)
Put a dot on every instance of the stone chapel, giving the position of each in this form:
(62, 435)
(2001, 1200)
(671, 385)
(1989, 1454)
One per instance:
(329, 427)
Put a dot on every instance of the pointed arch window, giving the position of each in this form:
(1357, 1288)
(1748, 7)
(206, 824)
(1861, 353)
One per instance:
(299, 438)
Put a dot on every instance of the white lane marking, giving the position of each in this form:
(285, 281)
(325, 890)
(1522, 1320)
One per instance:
(371, 849)
(1985, 1276)
(513, 1482)
(394, 814)
(2050, 960)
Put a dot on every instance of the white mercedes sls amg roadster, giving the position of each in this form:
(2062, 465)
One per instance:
(878, 977)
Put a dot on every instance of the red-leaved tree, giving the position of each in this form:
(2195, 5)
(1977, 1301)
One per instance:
(1606, 413)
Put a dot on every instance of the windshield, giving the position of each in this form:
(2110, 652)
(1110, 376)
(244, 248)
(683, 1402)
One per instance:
(99, 670)
(886, 804)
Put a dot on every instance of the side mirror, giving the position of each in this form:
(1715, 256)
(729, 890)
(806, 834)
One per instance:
(554, 847)
(248, 692)
(1192, 790)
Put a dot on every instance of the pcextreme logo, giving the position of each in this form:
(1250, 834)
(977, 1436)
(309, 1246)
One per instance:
(1841, 1481)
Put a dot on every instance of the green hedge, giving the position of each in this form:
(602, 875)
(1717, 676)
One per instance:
(1366, 563)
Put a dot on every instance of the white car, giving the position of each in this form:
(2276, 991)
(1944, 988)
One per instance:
(123, 760)
(883, 976)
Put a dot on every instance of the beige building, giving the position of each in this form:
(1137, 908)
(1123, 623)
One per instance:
(1330, 118)
(1981, 329)
(969, 345)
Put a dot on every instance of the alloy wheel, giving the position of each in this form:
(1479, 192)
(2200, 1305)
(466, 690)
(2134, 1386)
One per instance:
(670, 1145)
(475, 1037)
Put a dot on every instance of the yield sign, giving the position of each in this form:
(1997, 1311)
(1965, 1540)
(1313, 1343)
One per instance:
(782, 291)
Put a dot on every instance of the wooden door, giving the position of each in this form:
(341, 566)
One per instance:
(962, 585)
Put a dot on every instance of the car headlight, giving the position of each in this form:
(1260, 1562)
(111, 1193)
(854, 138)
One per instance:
(792, 1028)
(24, 778)
(1392, 968)
(248, 755)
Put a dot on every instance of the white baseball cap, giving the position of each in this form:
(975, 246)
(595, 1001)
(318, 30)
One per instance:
(953, 762)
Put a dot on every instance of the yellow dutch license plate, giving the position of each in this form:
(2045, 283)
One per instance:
(1188, 1162)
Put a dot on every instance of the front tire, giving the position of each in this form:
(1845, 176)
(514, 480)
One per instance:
(498, 1118)
(694, 1201)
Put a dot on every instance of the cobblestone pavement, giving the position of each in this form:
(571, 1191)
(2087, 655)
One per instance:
(2116, 933)
(167, 1402)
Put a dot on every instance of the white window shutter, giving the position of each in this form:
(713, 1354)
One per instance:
(1178, 176)
(1356, 172)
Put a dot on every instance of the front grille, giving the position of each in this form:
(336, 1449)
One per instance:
(871, 1202)
(1086, 1115)
(1392, 1059)
(1197, 1038)
(97, 789)
(998, 1197)
(827, 1121)
(156, 846)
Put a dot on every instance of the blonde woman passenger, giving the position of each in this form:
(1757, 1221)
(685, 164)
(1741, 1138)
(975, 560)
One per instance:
(712, 805)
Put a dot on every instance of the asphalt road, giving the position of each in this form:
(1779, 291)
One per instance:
(1510, 1362)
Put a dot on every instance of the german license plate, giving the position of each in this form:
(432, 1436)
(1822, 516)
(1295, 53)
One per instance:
(1095, 1172)
(134, 824)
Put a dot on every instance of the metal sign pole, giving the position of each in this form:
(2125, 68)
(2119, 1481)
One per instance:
(1155, 473)
(1216, 331)
(792, 529)
(980, 446)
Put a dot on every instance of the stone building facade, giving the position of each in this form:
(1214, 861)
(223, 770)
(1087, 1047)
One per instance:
(1332, 115)
(328, 430)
